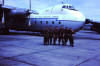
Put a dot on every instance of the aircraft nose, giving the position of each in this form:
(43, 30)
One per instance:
(79, 16)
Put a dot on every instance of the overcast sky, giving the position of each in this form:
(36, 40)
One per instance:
(90, 8)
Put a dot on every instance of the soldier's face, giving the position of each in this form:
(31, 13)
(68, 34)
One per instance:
(71, 29)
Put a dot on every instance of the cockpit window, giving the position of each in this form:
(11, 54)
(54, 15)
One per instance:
(64, 6)
(71, 7)
(68, 7)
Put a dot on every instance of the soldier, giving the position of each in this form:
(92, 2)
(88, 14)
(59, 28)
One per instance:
(66, 36)
(55, 35)
(46, 34)
(61, 35)
(50, 35)
(71, 39)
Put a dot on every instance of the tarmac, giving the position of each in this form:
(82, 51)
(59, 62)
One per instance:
(18, 49)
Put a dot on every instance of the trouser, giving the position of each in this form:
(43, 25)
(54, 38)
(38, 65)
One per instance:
(71, 40)
(46, 41)
(50, 40)
(61, 39)
(65, 40)
(54, 40)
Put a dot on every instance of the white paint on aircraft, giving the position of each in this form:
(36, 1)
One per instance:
(64, 13)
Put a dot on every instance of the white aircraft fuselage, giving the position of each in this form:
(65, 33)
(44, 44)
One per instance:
(61, 15)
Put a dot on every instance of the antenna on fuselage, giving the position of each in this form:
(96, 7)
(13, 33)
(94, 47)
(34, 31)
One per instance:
(29, 11)
(62, 2)
(30, 5)
(2, 4)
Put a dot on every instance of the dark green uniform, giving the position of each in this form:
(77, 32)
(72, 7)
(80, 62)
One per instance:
(50, 35)
(46, 36)
(71, 39)
(66, 36)
(55, 35)
(61, 36)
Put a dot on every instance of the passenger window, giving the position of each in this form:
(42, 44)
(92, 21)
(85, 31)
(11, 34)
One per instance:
(40, 22)
(64, 6)
(69, 7)
(59, 22)
(46, 22)
(52, 22)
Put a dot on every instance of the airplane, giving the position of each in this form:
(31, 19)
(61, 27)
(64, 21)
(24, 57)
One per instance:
(60, 15)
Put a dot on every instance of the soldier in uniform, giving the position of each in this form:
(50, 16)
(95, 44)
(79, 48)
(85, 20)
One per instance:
(55, 35)
(46, 38)
(66, 36)
(61, 35)
(50, 35)
(71, 39)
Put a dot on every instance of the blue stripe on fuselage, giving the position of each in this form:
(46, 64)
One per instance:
(57, 19)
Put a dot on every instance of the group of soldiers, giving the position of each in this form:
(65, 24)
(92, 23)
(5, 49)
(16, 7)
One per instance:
(63, 35)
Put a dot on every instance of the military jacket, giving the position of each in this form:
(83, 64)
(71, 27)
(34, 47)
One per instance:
(46, 33)
(50, 33)
(61, 33)
(55, 33)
